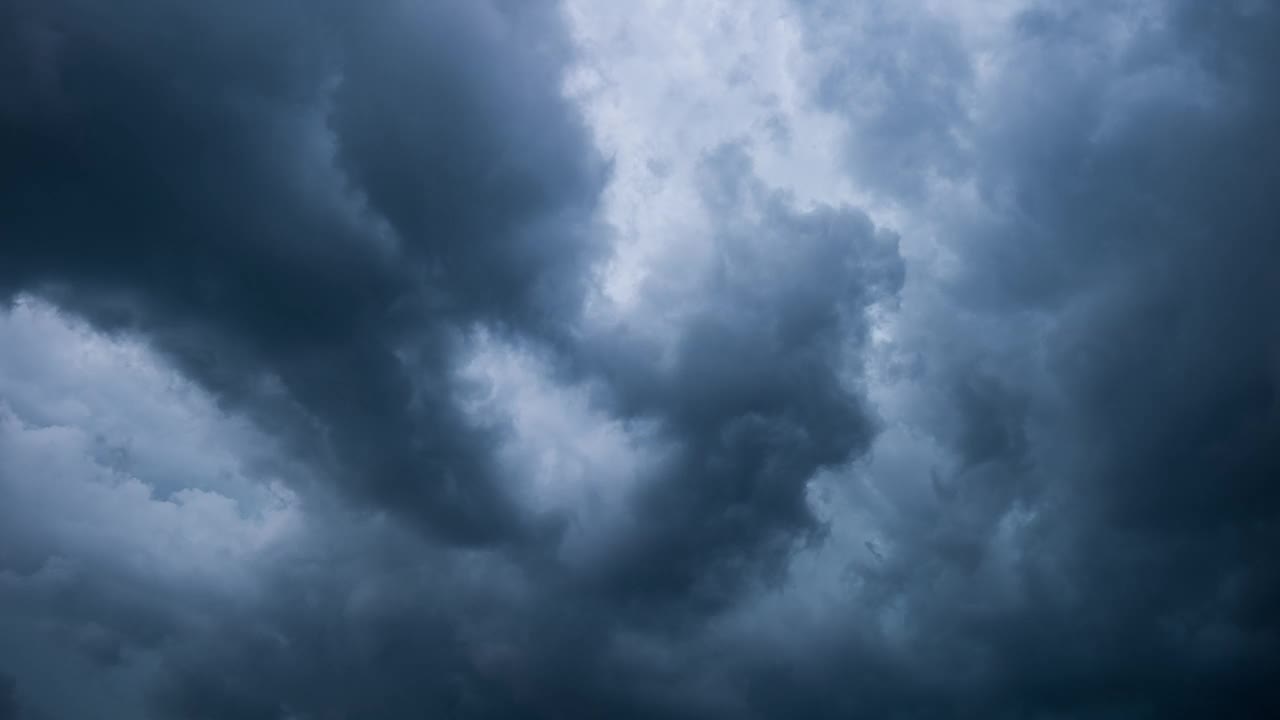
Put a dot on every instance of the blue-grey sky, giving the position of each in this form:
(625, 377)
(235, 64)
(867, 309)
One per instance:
(669, 359)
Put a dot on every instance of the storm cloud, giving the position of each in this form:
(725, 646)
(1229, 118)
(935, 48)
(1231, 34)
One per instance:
(299, 226)
(786, 359)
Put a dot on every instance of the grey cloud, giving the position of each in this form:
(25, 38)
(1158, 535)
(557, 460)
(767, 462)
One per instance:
(13, 706)
(305, 213)
(1058, 503)
(903, 84)
(506, 635)
(304, 206)
(8, 698)
(1115, 424)
(759, 389)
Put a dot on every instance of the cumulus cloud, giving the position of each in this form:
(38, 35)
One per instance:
(678, 360)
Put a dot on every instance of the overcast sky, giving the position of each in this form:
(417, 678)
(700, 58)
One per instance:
(675, 359)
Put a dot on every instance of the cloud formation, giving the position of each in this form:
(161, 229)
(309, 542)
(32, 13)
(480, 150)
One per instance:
(290, 205)
(533, 360)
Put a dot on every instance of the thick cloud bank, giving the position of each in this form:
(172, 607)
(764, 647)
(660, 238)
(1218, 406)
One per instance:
(292, 202)
(784, 359)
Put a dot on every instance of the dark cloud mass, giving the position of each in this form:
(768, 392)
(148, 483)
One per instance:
(752, 397)
(290, 197)
(1002, 442)
(8, 698)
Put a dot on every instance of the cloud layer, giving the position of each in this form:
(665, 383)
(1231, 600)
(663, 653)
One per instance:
(532, 360)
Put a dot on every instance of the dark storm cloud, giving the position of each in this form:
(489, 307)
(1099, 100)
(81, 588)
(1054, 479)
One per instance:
(390, 627)
(12, 706)
(1167, 233)
(758, 390)
(306, 208)
(303, 205)
(1103, 365)
(8, 698)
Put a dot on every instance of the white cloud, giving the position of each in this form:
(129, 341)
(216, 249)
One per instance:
(661, 84)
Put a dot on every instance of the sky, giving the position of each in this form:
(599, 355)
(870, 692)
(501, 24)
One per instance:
(670, 359)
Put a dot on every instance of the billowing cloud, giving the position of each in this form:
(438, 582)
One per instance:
(753, 389)
(1079, 372)
(683, 360)
(291, 205)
